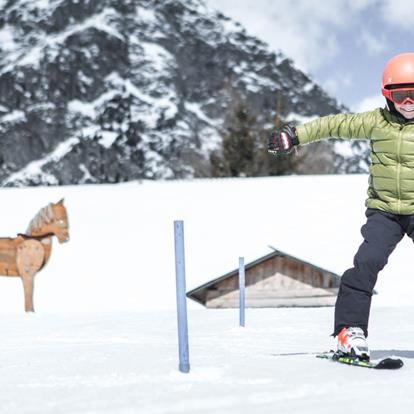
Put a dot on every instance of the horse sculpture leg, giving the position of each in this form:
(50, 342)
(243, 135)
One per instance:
(30, 256)
(28, 285)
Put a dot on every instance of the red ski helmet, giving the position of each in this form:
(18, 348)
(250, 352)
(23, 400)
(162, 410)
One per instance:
(399, 70)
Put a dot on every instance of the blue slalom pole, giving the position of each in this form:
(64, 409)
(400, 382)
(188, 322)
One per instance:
(184, 365)
(242, 288)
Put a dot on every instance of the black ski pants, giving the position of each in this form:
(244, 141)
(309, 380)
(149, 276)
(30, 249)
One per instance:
(381, 233)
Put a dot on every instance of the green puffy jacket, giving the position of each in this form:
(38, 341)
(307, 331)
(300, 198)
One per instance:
(391, 180)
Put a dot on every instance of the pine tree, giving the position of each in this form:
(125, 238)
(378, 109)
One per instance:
(243, 152)
(239, 151)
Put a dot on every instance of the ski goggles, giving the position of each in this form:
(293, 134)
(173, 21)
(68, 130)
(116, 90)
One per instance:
(399, 96)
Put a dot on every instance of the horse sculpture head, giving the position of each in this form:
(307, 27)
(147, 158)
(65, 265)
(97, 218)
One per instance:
(52, 219)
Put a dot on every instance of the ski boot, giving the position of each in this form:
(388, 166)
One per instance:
(351, 342)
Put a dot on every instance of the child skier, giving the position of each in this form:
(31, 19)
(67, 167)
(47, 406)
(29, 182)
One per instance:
(390, 203)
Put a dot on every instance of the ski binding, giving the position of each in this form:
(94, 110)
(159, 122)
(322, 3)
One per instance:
(384, 363)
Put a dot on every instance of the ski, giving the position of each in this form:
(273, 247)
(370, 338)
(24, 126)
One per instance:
(385, 363)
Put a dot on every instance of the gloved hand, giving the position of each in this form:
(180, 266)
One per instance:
(282, 140)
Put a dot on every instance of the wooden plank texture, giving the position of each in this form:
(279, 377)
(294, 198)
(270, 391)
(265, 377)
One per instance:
(279, 281)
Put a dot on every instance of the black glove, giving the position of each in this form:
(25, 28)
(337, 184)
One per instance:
(282, 140)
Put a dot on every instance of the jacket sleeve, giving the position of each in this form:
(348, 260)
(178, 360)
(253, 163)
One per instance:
(344, 126)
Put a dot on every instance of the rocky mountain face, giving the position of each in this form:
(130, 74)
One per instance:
(95, 91)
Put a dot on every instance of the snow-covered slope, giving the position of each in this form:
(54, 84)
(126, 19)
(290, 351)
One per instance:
(120, 256)
(101, 342)
(108, 91)
(127, 363)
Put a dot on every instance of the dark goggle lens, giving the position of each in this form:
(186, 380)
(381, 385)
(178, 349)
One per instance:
(401, 96)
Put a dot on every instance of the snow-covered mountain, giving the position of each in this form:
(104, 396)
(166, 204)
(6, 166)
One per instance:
(109, 90)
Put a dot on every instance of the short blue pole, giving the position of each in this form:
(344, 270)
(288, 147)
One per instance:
(184, 365)
(242, 289)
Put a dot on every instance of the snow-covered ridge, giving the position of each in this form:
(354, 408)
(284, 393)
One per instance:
(34, 168)
(50, 43)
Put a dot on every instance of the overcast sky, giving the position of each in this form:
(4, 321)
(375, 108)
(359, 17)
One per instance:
(342, 44)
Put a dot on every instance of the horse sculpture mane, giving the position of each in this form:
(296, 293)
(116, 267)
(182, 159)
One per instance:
(44, 216)
(26, 254)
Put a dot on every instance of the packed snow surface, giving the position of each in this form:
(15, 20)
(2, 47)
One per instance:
(103, 338)
(128, 363)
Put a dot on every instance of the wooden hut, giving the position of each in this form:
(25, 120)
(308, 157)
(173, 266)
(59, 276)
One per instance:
(274, 280)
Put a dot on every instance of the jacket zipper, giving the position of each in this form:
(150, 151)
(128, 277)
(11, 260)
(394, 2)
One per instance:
(399, 171)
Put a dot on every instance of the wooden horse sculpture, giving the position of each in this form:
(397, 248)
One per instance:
(27, 253)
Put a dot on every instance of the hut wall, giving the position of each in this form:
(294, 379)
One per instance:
(277, 282)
